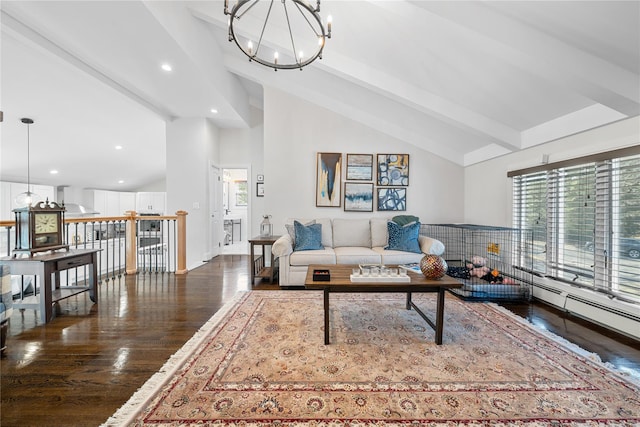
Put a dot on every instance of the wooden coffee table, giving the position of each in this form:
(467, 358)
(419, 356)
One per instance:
(340, 282)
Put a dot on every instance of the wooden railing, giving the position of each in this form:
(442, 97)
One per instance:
(130, 244)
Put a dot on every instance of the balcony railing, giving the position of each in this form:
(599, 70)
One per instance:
(130, 244)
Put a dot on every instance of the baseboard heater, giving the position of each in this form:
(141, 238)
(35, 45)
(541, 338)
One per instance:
(606, 316)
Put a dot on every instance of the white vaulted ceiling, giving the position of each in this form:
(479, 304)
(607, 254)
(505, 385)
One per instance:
(467, 81)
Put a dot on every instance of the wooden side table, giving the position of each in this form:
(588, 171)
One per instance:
(258, 266)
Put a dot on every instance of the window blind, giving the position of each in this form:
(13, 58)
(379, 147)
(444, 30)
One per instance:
(530, 212)
(585, 220)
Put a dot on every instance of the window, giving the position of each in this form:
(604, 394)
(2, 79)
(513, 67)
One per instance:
(585, 219)
(241, 193)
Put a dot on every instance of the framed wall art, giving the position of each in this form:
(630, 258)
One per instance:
(393, 169)
(358, 197)
(359, 167)
(329, 180)
(392, 199)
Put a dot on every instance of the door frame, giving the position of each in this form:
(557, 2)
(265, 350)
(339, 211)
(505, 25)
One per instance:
(215, 236)
(250, 195)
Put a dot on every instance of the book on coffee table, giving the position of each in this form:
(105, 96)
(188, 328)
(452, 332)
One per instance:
(412, 266)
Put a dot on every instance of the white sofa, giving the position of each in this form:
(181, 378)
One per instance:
(345, 241)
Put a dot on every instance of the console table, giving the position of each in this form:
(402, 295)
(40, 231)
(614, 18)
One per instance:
(258, 265)
(47, 267)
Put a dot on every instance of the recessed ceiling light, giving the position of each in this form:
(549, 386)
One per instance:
(53, 172)
(121, 181)
(118, 147)
(166, 67)
(214, 111)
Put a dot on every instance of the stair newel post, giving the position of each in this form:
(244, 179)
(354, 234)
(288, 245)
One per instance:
(182, 242)
(131, 243)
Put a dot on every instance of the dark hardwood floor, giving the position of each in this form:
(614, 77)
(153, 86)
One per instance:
(80, 368)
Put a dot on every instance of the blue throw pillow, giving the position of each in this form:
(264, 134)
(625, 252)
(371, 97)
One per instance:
(404, 238)
(308, 237)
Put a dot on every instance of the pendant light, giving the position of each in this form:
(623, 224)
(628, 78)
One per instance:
(27, 198)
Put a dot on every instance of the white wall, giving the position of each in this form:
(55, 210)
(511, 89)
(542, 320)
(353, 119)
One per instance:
(488, 191)
(294, 131)
(159, 185)
(191, 144)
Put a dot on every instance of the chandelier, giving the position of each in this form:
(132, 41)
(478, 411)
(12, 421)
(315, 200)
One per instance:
(293, 26)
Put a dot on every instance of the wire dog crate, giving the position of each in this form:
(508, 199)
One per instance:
(488, 260)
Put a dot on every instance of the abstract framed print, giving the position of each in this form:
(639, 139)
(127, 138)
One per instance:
(358, 197)
(393, 169)
(359, 167)
(329, 180)
(392, 199)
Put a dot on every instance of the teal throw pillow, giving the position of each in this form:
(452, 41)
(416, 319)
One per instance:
(308, 237)
(404, 238)
(292, 231)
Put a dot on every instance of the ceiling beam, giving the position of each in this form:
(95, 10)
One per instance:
(23, 31)
(395, 89)
(295, 83)
(539, 53)
(205, 55)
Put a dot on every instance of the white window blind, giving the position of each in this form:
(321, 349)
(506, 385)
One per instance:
(585, 219)
(530, 212)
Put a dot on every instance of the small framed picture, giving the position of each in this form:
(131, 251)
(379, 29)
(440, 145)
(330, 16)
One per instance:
(358, 197)
(393, 169)
(360, 167)
(260, 189)
(392, 199)
(260, 178)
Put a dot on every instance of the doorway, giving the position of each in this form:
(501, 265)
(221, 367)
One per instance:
(235, 205)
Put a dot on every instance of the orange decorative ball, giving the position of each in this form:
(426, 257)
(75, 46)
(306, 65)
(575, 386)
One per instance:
(433, 266)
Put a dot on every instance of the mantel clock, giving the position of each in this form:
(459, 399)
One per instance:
(39, 228)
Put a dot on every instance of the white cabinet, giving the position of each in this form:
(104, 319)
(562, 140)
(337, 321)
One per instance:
(5, 202)
(151, 202)
(9, 191)
(127, 202)
(113, 203)
(109, 203)
(96, 200)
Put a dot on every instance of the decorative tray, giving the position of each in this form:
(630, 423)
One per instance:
(380, 279)
(321, 275)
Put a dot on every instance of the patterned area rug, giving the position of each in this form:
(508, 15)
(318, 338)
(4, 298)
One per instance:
(262, 361)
